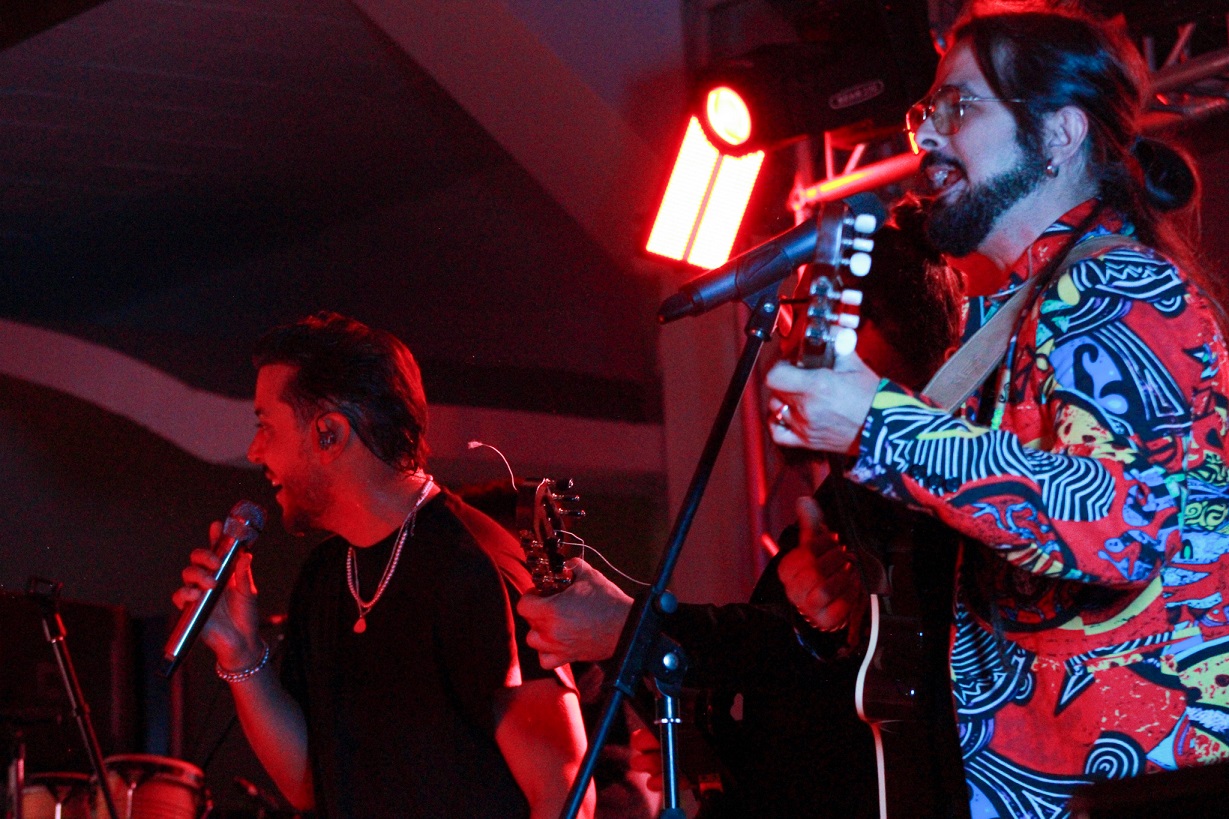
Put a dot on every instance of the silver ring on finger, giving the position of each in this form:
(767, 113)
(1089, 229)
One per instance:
(781, 416)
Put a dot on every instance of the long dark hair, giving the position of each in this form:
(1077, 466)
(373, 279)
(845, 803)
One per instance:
(367, 375)
(912, 295)
(1052, 60)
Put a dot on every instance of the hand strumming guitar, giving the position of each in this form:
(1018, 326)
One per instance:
(820, 577)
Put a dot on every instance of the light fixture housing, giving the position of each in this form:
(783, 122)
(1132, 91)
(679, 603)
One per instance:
(704, 202)
(871, 61)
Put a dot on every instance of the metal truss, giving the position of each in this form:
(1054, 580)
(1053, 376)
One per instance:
(1186, 88)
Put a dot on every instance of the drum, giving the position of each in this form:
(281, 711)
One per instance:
(56, 796)
(152, 787)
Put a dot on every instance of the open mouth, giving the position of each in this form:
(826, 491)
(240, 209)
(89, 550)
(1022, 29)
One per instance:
(942, 176)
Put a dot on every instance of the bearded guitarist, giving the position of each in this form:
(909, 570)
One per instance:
(1090, 641)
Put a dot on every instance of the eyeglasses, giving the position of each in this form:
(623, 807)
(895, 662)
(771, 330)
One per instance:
(945, 110)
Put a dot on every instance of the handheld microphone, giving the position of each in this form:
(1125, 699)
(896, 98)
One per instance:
(834, 237)
(241, 528)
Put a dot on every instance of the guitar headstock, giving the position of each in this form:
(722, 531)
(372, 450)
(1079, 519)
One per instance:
(827, 299)
(541, 509)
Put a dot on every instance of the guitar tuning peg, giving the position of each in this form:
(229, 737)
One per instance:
(573, 513)
(851, 297)
(859, 264)
(863, 245)
(865, 223)
(850, 320)
(844, 340)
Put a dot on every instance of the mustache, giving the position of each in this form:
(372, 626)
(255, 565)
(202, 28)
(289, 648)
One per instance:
(932, 158)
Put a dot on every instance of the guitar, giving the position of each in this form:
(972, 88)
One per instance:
(541, 507)
(891, 688)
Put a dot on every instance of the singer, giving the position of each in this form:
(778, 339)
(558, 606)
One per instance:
(405, 690)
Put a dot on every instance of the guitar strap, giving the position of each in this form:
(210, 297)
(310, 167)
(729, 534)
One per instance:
(978, 357)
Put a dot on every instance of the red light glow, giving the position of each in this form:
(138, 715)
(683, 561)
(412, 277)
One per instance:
(704, 203)
(728, 115)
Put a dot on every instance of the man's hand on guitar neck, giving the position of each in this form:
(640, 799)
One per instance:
(819, 576)
(820, 409)
(580, 623)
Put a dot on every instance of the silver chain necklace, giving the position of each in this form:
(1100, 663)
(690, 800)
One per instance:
(407, 531)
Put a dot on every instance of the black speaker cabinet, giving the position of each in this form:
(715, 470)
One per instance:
(32, 694)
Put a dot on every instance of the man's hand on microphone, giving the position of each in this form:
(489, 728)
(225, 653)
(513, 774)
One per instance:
(233, 630)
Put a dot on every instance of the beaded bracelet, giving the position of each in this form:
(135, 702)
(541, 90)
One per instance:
(243, 674)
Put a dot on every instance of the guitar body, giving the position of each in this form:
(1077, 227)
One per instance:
(888, 688)
(902, 690)
(889, 697)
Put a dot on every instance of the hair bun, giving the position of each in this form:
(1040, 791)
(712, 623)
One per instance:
(1168, 177)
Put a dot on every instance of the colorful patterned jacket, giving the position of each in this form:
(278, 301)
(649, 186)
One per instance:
(1090, 637)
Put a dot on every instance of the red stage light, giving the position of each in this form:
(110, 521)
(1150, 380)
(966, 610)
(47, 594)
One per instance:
(704, 202)
(728, 117)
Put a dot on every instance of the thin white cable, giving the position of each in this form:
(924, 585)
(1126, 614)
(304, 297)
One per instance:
(580, 541)
(511, 475)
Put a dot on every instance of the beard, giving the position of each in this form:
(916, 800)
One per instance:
(958, 228)
(304, 497)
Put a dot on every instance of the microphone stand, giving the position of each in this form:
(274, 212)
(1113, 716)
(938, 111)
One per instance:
(641, 643)
(47, 595)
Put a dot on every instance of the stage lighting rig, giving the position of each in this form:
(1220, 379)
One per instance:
(860, 72)
(854, 69)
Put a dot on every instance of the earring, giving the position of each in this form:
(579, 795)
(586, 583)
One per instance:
(327, 439)
(1051, 169)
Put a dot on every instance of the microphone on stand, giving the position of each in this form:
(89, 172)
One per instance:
(241, 528)
(835, 237)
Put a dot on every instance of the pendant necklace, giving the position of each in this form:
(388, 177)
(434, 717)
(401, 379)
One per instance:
(407, 531)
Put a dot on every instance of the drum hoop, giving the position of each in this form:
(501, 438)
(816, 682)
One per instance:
(159, 765)
(58, 776)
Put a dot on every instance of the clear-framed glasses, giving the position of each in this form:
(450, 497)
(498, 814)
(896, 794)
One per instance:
(945, 110)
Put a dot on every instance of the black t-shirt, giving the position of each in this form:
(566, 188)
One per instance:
(400, 718)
